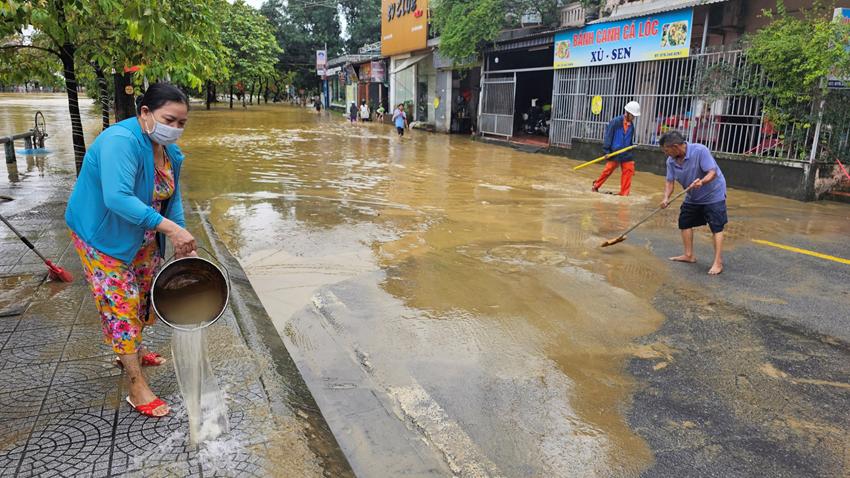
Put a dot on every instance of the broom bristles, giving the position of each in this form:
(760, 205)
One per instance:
(58, 273)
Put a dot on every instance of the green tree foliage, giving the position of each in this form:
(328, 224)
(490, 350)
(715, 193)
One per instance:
(797, 54)
(302, 27)
(65, 24)
(169, 38)
(29, 66)
(466, 26)
(252, 48)
(363, 18)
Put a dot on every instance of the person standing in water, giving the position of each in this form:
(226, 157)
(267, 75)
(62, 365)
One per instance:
(400, 119)
(125, 203)
(619, 134)
(379, 113)
(352, 112)
(365, 114)
(692, 165)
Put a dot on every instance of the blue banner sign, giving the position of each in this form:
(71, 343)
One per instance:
(653, 37)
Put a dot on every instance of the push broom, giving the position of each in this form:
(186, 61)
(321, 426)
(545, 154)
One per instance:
(622, 237)
(602, 158)
(55, 272)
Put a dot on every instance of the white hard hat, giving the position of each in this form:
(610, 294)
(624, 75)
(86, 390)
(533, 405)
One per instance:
(633, 107)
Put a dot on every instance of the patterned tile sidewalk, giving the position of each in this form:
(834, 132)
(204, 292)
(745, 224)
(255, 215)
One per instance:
(62, 409)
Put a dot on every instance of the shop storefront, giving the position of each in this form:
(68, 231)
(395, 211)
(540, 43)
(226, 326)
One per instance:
(372, 86)
(355, 78)
(335, 88)
(412, 75)
(604, 65)
(457, 95)
(516, 89)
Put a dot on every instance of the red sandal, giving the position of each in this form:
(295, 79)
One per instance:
(150, 359)
(148, 408)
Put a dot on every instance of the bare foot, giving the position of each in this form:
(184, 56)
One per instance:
(684, 258)
(716, 269)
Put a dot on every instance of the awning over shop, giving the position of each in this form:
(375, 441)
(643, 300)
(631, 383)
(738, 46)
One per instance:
(652, 7)
(408, 62)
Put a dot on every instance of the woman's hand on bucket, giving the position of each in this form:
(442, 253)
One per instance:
(181, 239)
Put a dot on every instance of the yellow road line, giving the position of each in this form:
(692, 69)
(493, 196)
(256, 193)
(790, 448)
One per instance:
(803, 251)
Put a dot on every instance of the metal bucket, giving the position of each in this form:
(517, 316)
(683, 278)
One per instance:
(190, 293)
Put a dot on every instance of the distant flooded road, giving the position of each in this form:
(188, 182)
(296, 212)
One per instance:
(449, 306)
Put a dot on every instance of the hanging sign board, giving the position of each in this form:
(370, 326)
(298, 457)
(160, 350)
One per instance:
(379, 73)
(653, 37)
(321, 62)
(365, 72)
(404, 26)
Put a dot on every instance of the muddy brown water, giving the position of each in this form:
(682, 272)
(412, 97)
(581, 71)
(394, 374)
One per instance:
(464, 276)
(473, 276)
(190, 293)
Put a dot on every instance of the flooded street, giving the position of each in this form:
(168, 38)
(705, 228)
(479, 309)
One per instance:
(452, 313)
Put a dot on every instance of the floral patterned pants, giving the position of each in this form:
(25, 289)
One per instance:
(120, 291)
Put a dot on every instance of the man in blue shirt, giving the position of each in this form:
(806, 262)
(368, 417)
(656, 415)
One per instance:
(619, 134)
(692, 165)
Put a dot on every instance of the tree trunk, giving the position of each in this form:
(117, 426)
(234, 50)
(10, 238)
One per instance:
(266, 92)
(70, 72)
(209, 93)
(103, 94)
(125, 104)
(251, 96)
(231, 95)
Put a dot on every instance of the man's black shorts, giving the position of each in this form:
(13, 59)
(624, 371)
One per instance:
(695, 215)
(400, 130)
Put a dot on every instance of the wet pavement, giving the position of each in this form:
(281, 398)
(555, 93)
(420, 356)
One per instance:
(448, 307)
(62, 409)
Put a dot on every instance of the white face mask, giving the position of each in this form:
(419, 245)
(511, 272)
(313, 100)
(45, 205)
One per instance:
(164, 134)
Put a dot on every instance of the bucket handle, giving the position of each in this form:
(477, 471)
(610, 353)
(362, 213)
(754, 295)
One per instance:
(214, 259)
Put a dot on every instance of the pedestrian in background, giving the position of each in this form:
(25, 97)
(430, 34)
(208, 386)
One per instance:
(124, 205)
(379, 113)
(365, 114)
(400, 119)
(692, 165)
(619, 134)
(352, 112)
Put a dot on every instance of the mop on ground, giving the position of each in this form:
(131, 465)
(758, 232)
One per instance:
(622, 237)
(55, 272)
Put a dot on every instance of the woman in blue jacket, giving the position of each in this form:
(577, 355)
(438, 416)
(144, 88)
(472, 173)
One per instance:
(125, 203)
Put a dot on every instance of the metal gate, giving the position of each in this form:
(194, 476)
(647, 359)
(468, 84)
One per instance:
(567, 99)
(497, 108)
(704, 96)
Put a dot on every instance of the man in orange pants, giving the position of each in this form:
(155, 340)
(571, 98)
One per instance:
(620, 134)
